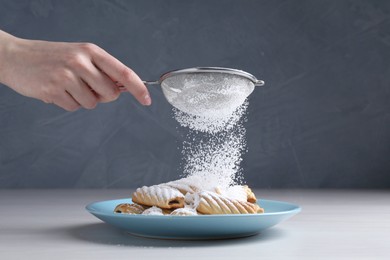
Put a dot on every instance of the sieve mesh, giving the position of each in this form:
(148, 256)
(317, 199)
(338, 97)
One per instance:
(212, 94)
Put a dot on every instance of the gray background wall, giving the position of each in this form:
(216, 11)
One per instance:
(322, 122)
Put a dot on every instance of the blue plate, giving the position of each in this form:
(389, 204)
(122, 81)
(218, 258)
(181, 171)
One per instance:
(194, 227)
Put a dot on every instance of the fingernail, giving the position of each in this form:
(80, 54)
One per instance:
(147, 100)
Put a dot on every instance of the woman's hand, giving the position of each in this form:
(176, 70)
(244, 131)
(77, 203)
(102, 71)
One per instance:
(70, 75)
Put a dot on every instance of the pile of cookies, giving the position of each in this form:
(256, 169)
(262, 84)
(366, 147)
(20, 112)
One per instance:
(183, 197)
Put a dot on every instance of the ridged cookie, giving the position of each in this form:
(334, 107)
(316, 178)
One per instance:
(127, 208)
(213, 203)
(159, 195)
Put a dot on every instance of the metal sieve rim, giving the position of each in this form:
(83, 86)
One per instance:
(237, 72)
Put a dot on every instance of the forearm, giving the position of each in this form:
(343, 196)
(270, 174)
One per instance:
(7, 43)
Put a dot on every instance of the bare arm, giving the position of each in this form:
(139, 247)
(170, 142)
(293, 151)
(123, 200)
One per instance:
(70, 75)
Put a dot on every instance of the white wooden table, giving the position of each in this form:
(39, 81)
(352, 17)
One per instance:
(52, 224)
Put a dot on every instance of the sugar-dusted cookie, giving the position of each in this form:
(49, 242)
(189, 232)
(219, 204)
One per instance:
(213, 203)
(153, 211)
(251, 197)
(159, 195)
(184, 185)
(184, 212)
(132, 208)
(238, 192)
(156, 211)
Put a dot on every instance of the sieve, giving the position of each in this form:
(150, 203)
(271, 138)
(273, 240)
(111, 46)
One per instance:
(207, 91)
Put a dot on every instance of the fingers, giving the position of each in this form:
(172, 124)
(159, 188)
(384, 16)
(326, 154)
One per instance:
(104, 87)
(67, 102)
(118, 71)
(83, 94)
(90, 77)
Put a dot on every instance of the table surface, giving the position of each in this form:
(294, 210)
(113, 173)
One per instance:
(334, 224)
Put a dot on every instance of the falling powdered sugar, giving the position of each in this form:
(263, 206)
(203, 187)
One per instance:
(210, 123)
(213, 146)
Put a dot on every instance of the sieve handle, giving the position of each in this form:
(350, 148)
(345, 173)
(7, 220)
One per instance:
(151, 82)
(146, 82)
(259, 83)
